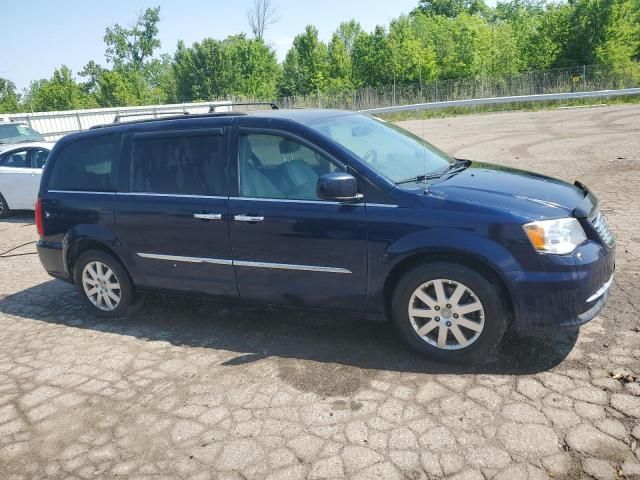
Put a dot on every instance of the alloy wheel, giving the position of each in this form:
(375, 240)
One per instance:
(101, 286)
(446, 314)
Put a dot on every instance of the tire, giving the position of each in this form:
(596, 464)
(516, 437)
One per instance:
(482, 329)
(104, 304)
(4, 208)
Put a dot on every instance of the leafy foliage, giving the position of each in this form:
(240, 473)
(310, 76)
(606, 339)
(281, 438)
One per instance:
(9, 98)
(60, 92)
(218, 68)
(439, 40)
(133, 45)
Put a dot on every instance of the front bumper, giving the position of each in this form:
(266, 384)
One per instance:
(572, 293)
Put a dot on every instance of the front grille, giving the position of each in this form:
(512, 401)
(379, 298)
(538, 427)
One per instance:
(600, 224)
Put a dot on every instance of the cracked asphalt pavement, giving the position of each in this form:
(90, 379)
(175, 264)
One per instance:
(196, 389)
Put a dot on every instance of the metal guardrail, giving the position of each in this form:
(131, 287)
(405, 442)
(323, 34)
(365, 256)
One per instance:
(53, 125)
(512, 99)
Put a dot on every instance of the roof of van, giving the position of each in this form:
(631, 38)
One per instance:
(295, 115)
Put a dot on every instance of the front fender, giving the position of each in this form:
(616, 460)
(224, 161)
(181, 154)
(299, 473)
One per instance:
(452, 240)
(384, 259)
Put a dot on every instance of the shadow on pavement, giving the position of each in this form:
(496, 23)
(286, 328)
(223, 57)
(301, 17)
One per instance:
(257, 332)
(19, 216)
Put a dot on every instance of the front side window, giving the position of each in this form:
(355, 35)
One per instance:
(87, 165)
(274, 166)
(390, 150)
(180, 165)
(17, 159)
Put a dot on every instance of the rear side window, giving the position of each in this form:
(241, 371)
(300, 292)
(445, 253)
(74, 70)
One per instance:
(87, 165)
(179, 164)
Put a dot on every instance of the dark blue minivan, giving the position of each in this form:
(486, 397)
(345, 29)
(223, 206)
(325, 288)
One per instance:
(324, 209)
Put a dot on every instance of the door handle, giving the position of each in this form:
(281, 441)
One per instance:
(248, 218)
(208, 216)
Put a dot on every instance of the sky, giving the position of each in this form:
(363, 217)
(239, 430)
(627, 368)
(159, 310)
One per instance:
(40, 35)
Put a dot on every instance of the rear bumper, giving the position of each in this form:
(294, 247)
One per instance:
(566, 297)
(52, 259)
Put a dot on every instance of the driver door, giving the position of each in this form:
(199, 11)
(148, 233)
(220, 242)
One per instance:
(289, 246)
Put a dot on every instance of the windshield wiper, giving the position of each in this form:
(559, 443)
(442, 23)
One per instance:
(454, 167)
(420, 178)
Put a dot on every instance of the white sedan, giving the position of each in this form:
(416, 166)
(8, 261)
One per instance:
(20, 172)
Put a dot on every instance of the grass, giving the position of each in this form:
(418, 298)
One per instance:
(507, 107)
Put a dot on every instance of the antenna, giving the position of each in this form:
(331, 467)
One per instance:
(424, 152)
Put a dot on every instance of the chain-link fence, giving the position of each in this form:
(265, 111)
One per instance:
(583, 78)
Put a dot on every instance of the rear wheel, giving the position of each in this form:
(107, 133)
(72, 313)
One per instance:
(103, 284)
(4, 208)
(449, 311)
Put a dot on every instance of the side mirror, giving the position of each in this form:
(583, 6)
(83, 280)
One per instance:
(339, 186)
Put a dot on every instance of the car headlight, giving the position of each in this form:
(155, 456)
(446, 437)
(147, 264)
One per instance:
(559, 237)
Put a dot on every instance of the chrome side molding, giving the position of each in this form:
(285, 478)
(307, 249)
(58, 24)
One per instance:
(287, 266)
(243, 263)
(175, 258)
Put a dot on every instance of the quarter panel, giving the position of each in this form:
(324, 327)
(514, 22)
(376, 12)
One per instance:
(19, 187)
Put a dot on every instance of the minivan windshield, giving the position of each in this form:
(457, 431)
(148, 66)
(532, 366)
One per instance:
(17, 133)
(390, 150)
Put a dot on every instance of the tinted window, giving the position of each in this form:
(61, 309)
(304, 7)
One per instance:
(87, 165)
(39, 158)
(18, 159)
(272, 166)
(180, 164)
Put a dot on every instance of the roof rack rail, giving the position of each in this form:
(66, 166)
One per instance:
(177, 116)
(118, 118)
(273, 105)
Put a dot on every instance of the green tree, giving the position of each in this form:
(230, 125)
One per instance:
(539, 30)
(254, 67)
(498, 52)
(132, 46)
(200, 70)
(9, 97)
(411, 60)
(60, 92)
(453, 8)
(305, 68)
(340, 69)
(620, 46)
(347, 32)
(137, 78)
(370, 62)
(236, 66)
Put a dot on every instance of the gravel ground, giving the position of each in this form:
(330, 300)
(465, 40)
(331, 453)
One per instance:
(195, 389)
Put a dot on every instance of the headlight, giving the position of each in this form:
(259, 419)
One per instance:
(559, 236)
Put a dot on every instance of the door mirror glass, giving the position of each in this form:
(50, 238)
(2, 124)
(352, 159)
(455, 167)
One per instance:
(338, 186)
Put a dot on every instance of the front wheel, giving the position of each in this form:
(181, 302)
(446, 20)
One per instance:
(449, 311)
(4, 208)
(103, 284)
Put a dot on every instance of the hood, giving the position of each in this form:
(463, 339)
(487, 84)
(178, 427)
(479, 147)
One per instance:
(530, 193)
